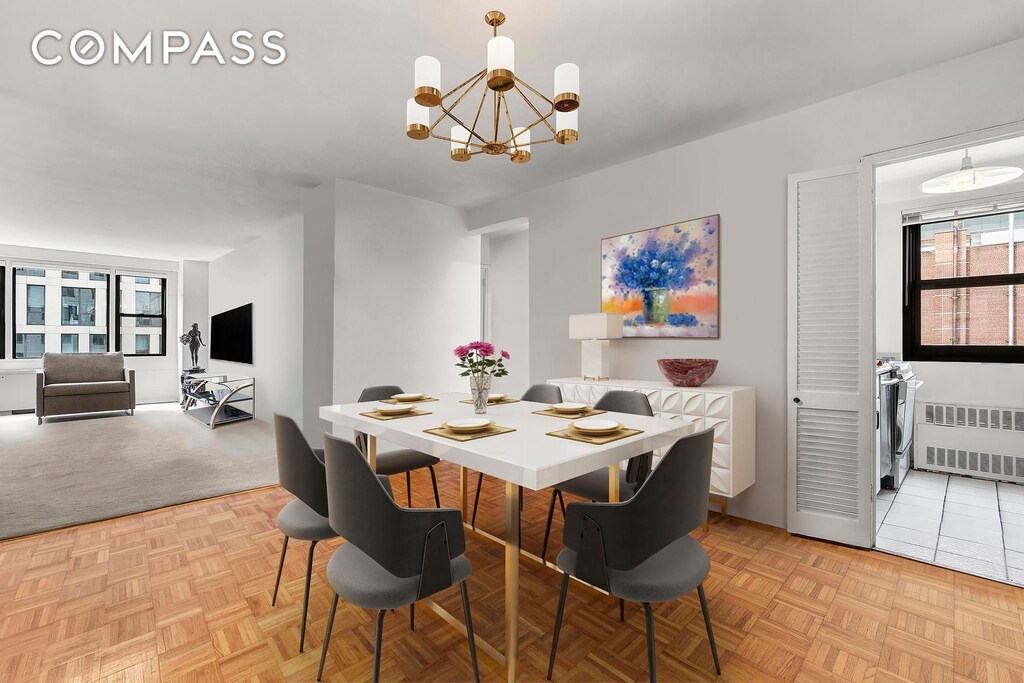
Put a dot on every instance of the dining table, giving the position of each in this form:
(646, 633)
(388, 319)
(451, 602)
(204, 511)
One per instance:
(526, 457)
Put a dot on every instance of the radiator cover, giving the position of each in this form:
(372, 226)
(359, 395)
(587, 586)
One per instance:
(979, 441)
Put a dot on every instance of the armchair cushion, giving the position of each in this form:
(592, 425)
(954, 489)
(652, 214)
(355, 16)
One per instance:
(84, 388)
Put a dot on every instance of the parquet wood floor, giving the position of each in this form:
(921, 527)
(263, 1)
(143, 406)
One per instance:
(183, 594)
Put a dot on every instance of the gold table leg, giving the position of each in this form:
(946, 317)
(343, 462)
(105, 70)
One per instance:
(511, 579)
(371, 451)
(613, 483)
(463, 491)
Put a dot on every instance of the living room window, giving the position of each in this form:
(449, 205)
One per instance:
(97, 343)
(141, 315)
(58, 309)
(964, 295)
(3, 311)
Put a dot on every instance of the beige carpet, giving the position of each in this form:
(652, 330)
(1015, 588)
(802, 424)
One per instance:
(69, 471)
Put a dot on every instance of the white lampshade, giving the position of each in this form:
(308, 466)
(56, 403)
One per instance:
(520, 137)
(970, 178)
(460, 137)
(567, 120)
(567, 79)
(416, 113)
(595, 326)
(501, 54)
(428, 72)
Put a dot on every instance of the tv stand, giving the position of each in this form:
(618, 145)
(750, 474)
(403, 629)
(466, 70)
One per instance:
(216, 400)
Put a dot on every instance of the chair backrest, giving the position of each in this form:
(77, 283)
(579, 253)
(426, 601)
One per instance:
(634, 402)
(543, 393)
(670, 504)
(299, 470)
(379, 393)
(363, 513)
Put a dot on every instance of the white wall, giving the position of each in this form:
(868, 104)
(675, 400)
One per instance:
(156, 376)
(508, 260)
(982, 384)
(267, 273)
(740, 174)
(195, 308)
(406, 292)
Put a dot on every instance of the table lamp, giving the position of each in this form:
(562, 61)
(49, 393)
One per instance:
(595, 329)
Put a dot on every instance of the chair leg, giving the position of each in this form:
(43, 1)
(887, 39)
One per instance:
(408, 489)
(558, 623)
(433, 480)
(707, 625)
(376, 645)
(280, 568)
(650, 641)
(305, 599)
(469, 631)
(476, 501)
(622, 609)
(412, 617)
(561, 503)
(547, 529)
(327, 638)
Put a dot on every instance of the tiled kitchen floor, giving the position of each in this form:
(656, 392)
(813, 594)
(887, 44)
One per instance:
(970, 525)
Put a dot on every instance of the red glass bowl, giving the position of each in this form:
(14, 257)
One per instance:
(687, 372)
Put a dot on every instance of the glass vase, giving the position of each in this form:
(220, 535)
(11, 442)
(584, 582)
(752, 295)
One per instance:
(655, 305)
(481, 389)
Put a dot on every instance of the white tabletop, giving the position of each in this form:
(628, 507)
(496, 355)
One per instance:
(527, 456)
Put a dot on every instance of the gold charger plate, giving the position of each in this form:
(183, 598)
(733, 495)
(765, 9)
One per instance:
(415, 412)
(573, 435)
(494, 403)
(589, 412)
(395, 402)
(493, 430)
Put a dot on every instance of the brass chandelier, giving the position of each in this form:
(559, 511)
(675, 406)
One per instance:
(492, 132)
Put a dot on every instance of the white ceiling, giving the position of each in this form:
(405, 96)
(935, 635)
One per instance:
(192, 161)
(901, 182)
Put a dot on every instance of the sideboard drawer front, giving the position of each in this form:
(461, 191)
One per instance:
(720, 480)
(721, 455)
(718, 405)
(722, 432)
(692, 403)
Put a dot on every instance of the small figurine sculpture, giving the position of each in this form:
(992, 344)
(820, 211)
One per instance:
(193, 339)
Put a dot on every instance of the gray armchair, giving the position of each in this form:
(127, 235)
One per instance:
(75, 383)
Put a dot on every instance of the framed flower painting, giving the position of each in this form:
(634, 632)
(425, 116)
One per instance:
(663, 281)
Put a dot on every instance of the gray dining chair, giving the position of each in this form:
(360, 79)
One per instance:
(538, 393)
(641, 550)
(300, 469)
(405, 460)
(393, 556)
(594, 485)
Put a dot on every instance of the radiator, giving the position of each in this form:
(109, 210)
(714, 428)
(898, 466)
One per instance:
(978, 441)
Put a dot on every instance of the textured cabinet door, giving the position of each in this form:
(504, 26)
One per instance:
(718, 405)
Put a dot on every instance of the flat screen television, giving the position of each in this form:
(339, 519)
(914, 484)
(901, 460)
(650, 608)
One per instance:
(231, 335)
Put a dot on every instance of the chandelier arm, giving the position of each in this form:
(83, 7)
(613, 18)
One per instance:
(535, 92)
(448, 110)
(542, 117)
(497, 112)
(476, 77)
(531, 127)
(480, 108)
(458, 121)
(511, 130)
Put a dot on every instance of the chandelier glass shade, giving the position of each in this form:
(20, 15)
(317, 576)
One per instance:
(485, 124)
(970, 178)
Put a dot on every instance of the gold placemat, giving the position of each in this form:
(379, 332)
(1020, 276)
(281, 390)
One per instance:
(493, 430)
(419, 400)
(573, 435)
(494, 403)
(412, 413)
(570, 416)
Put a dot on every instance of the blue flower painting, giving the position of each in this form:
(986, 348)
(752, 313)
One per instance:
(663, 281)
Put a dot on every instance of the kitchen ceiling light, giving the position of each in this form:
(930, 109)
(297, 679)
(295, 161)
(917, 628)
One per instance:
(488, 132)
(970, 178)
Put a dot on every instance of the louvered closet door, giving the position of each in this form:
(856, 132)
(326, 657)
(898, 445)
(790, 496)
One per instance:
(831, 349)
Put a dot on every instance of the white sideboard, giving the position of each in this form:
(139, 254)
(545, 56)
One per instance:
(730, 410)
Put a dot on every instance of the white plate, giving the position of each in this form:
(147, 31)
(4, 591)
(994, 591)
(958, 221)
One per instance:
(469, 425)
(388, 409)
(596, 426)
(407, 397)
(569, 407)
(493, 398)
